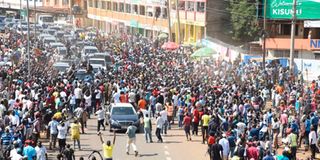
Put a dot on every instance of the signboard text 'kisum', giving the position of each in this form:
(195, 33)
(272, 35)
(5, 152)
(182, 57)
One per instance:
(282, 9)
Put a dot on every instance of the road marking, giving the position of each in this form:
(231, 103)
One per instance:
(166, 153)
(168, 158)
(165, 147)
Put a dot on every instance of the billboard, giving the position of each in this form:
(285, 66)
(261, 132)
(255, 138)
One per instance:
(282, 9)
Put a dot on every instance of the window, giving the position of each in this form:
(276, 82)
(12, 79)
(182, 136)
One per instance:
(142, 10)
(158, 12)
(65, 2)
(103, 5)
(108, 5)
(200, 6)
(182, 5)
(121, 7)
(128, 8)
(285, 29)
(164, 13)
(90, 3)
(316, 55)
(85, 5)
(135, 9)
(56, 2)
(149, 11)
(115, 6)
(95, 4)
(190, 6)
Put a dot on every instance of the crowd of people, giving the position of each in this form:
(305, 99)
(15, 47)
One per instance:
(242, 110)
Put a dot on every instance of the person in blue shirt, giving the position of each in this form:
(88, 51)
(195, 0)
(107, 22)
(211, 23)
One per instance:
(315, 120)
(268, 156)
(29, 151)
(6, 139)
(307, 125)
(294, 126)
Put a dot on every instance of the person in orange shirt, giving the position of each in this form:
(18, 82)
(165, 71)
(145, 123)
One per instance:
(142, 103)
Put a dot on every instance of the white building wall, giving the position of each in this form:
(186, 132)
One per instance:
(15, 4)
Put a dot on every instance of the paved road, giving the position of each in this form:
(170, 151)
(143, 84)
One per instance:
(175, 146)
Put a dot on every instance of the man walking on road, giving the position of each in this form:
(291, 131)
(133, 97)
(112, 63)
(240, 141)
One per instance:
(107, 147)
(147, 128)
(159, 124)
(131, 132)
(100, 113)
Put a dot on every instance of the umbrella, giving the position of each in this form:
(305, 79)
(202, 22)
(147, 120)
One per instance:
(162, 36)
(203, 52)
(170, 46)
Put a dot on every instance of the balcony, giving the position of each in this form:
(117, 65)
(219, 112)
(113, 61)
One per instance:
(300, 44)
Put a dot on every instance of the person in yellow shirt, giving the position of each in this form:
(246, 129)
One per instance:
(204, 129)
(107, 147)
(75, 133)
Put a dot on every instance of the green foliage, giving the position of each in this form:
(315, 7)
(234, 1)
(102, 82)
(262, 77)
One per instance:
(243, 20)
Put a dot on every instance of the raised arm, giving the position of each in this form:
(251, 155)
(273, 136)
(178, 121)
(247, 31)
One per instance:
(114, 137)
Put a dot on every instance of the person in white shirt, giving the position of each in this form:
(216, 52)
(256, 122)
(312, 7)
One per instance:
(159, 124)
(225, 145)
(2, 109)
(313, 142)
(53, 124)
(41, 152)
(17, 155)
(14, 119)
(164, 115)
(62, 134)
(78, 95)
(116, 97)
(100, 117)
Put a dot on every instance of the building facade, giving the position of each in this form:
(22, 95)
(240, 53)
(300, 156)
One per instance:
(146, 17)
(307, 32)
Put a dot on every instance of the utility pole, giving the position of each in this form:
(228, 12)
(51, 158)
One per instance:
(169, 20)
(293, 31)
(35, 18)
(28, 40)
(178, 21)
(21, 20)
(264, 34)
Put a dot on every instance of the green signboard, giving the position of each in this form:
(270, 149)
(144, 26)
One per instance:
(282, 9)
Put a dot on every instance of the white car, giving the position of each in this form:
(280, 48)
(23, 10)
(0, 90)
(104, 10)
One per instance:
(61, 66)
(87, 50)
(97, 63)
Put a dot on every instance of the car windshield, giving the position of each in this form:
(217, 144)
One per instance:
(101, 62)
(62, 51)
(61, 68)
(122, 111)
(91, 51)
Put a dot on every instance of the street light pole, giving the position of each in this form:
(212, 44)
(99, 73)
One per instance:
(293, 30)
(264, 34)
(35, 17)
(28, 40)
(169, 19)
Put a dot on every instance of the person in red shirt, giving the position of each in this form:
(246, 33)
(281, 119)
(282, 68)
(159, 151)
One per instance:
(195, 121)
(252, 151)
(186, 125)
(211, 139)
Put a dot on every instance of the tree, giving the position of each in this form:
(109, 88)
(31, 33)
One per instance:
(243, 20)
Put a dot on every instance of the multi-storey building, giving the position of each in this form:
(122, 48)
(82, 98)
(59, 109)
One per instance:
(144, 16)
(307, 32)
(76, 9)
